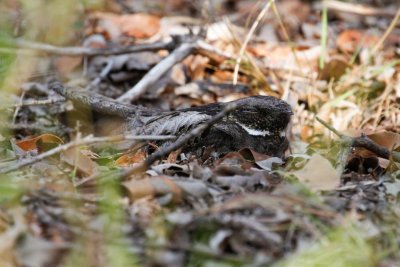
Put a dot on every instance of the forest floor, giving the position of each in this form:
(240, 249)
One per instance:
(70, 196)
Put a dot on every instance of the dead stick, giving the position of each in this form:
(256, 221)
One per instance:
(364, 142)
(97, 102)
(34, 102)
(87, 51)
(85, 141)
(179, 54)
(360, 9)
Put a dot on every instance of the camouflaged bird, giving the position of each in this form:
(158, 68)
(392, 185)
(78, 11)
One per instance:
(258, 122)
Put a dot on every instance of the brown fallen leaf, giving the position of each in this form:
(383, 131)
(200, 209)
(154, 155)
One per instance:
(79, 160)
(350, 40)
(39, 142)
(318, 174)
(251, 155)
(173, 156)
(137, 25)
(389, 140)
(155, 187)
(129, 159)
(334, 68)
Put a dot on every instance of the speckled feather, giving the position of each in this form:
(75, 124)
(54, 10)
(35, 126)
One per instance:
(258, 122)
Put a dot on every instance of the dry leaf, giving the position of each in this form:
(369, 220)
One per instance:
(350, 40)
(39, 142)
(334, 68)
(129, 159)
(134, 25)
(318, 174)
(154, 186)
(251, 155)
(173, 156)
(389, 140)
(75, 157)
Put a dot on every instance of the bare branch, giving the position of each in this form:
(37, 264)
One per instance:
(87, 51)
(157, 72)
(35, 102)
(85, 141)
(98, 103)
(363, 142)
(360, 9)
(179, 54)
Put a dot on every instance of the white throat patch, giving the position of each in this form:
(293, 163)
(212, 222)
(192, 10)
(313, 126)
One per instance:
(255, 132)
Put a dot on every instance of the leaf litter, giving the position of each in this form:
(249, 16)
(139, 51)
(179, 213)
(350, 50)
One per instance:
(326, 203)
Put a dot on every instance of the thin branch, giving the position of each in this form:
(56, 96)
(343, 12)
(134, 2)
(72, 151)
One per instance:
(87, 51)
(36, 127)
(364, 142)
(85, 141)
(359, 9)
(34, 102)
(329, 127)
(98, 103)
(210, 51)
(179, 54)
(103, 74)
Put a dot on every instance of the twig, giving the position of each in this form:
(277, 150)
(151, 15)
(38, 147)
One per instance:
(34, 102)
(16, 111)
(87, 51)
(22, 52)
(359, 9)
(179, 54)
(98, 103)
(36, 127)
(106, 70)
(364, 142)
(208, 50)
(85, 141)
(247, 40)
(329, 127)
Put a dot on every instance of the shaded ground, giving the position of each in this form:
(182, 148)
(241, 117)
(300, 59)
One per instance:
(330, 201)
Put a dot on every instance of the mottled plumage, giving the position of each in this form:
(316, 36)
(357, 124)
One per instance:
(258, 122)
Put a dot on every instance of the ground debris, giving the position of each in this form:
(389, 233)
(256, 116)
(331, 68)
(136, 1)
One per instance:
(122, 176)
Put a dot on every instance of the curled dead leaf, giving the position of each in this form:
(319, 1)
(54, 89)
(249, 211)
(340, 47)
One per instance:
(39, 142)
(129, 159)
